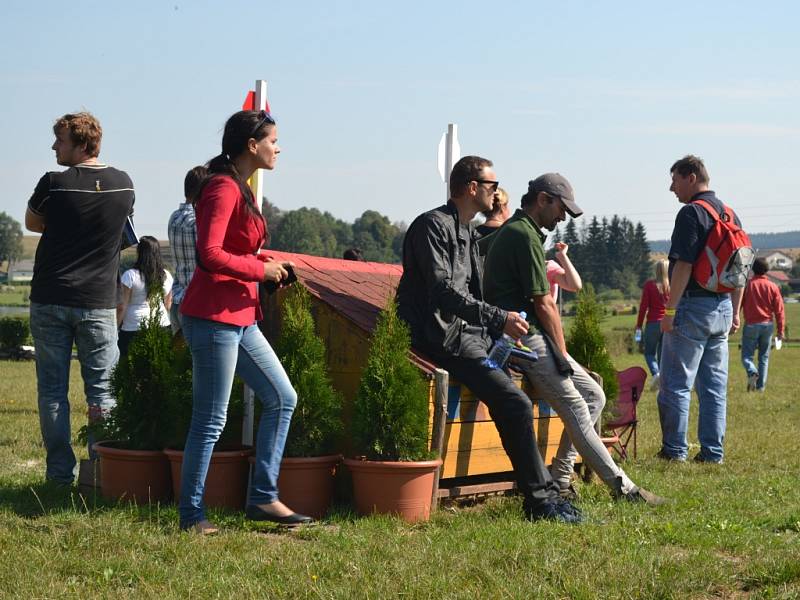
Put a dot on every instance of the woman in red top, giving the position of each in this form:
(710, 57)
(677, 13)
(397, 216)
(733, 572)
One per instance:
(655, 295)
(220, 310)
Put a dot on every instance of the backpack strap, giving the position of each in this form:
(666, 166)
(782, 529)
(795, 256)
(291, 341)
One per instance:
(726, 210)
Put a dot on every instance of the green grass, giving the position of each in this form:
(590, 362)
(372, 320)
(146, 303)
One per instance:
(732, 531)
(14, 295)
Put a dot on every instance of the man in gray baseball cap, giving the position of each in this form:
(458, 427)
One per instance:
(555, 184)
(515, 278)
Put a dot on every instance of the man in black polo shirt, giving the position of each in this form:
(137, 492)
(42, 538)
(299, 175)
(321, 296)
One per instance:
(441, 299)
(81, 213)
(696, 325)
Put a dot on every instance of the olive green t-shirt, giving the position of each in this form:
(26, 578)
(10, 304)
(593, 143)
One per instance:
(514, 270)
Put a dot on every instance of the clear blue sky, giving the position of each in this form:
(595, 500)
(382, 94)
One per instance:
(608, 94)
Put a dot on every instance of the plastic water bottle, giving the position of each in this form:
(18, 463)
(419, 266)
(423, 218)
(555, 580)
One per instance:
(501, 350)
(637, 336)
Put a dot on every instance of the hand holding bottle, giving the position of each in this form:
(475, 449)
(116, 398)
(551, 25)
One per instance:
(516, 325)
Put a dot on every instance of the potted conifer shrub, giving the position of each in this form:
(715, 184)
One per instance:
(393, 471)
(138, 427)
(310, 457)
(226, 481)
(587, 345)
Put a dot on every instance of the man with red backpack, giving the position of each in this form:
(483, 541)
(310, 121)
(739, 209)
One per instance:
(709, 259)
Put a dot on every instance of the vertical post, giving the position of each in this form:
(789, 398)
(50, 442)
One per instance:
(441, 382)
(257, 185)
(450, 154)
(257, 180)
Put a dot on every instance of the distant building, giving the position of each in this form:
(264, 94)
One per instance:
(777, 260)
(779, 278)
(21, 271)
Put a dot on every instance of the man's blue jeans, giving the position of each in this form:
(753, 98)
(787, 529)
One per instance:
(652, 346)
(757, 336)
(218, 351)
(695, 353)
(94, 332)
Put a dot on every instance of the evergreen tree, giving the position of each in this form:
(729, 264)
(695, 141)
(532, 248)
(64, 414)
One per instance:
(390, 411)
(594, 262)
(10, 239)
(316, 422)
(640, 252)
(587, 345)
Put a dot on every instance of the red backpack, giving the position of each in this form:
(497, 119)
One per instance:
(728, 255)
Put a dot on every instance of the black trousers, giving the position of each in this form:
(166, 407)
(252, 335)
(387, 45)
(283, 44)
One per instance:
(512, 413)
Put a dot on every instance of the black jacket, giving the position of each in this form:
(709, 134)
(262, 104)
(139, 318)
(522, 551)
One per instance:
(440, 295)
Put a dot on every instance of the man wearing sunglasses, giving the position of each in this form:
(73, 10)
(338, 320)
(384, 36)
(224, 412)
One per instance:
(516, 278)
(440, 297)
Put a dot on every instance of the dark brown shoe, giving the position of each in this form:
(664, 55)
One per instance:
(642, 495)
(569, 493)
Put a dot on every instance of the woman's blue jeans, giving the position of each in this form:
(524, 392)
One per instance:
(757, 336)
(219, 351)
(652, 346)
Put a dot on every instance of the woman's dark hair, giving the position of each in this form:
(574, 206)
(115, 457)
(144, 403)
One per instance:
(239, 128)
(150, 264)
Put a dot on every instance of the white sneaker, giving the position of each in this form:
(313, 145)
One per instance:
(656, 383)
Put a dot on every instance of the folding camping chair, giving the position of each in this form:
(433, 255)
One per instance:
(622, 427)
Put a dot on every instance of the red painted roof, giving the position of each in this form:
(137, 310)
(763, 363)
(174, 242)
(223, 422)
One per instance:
(779, 275)
(355, 289)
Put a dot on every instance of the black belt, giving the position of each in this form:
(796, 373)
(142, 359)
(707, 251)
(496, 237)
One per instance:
(702, 294)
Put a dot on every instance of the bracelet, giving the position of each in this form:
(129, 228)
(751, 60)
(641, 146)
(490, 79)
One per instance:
(669, 312)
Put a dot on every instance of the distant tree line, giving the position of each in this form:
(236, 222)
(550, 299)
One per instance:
(610, 254)
(10, 239)
(309, 231)
(761, 241)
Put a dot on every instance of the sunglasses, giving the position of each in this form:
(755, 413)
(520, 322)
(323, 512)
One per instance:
(494, 184)
(264, 119)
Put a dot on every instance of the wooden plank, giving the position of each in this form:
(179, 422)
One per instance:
(478, 488)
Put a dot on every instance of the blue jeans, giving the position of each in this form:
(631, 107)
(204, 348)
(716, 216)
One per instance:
(652, 346)
(218, 351)
(757, 335)
(175, 317)
(695, 353)
(54, 329)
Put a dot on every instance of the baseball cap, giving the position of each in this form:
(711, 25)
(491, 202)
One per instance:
(555, 184)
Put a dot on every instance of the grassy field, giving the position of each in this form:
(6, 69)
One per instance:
(732, 531)
(14, 295)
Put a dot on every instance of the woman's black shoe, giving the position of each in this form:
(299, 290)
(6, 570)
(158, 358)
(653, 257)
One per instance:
(256, 513)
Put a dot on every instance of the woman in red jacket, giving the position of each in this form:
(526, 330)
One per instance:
(655, 295)
(220, 310)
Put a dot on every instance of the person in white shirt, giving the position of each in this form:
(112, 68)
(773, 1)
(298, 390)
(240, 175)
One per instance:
(147, 280)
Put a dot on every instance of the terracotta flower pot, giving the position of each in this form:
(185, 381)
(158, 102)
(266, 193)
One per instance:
(139, 475)
(306, 484)
(226, 481)
(387, 487)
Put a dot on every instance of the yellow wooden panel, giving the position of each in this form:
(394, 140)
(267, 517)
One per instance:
(476, 449)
